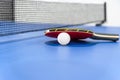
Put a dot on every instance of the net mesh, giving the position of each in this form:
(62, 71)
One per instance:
(20, 16)
(9, 28)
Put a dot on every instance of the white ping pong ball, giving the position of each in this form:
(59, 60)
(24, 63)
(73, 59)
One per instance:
(63, 38)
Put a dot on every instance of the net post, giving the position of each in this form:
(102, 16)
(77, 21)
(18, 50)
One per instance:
(105, 15)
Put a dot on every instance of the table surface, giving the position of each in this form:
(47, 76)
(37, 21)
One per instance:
(42, 58)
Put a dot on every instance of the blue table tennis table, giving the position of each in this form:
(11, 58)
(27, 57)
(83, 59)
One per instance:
(43, 58)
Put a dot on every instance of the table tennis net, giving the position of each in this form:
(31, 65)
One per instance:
(9, 28)
(20, 16)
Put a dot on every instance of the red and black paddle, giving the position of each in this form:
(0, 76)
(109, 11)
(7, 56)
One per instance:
(81, 34)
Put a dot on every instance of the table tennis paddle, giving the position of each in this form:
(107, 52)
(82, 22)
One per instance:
(81, 34)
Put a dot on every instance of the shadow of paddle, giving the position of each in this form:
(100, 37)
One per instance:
(79, 43)
(73, 43)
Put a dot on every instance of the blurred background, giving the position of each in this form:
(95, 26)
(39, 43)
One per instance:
(113, 9)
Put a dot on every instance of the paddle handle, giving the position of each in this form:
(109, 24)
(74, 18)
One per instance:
(101, 36)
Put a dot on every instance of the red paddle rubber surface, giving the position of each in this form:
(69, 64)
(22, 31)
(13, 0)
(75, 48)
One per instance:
(73, 35)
